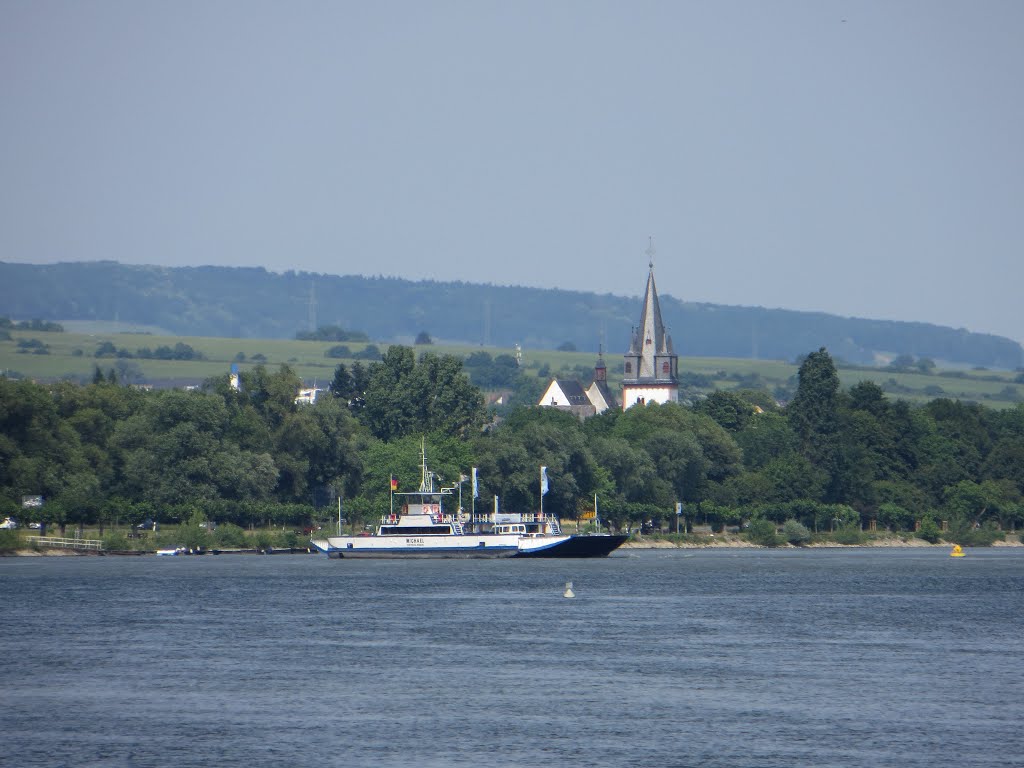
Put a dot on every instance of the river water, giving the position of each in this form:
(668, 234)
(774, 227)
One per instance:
(732, 658)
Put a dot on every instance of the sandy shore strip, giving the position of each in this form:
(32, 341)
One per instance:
(731, 542)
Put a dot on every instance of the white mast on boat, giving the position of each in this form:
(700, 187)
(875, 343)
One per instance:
(476, 492)
(543, 489)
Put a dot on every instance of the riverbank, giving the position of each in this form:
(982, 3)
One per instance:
(711, 541)
(58, 552)
(731, 541)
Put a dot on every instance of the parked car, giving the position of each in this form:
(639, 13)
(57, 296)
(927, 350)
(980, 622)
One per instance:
(9, 524)
(147, 525)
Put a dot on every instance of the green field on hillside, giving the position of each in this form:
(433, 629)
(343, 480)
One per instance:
(72, 355)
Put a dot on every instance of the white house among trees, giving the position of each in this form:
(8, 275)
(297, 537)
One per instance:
(570, 395)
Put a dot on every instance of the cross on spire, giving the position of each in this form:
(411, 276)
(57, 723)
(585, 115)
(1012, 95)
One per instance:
(650, 252)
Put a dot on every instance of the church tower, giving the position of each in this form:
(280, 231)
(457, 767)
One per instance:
(651, 370)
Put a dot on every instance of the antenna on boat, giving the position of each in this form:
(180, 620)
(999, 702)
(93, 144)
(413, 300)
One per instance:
(426, 482)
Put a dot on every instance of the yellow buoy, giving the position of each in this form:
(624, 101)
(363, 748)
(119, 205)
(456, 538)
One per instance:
(957, 551)
(568, 590)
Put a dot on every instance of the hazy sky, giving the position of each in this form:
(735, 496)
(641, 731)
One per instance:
(858, 158)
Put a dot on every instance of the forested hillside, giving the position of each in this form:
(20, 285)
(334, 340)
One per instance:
(253, 303)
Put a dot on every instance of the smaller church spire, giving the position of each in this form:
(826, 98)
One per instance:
(600, 369)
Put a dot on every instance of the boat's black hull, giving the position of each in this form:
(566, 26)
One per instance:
(579, 546)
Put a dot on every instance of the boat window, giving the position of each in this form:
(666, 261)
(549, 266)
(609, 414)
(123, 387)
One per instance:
(510, 528)
(416, 530)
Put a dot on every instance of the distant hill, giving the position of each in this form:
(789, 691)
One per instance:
(255, 303)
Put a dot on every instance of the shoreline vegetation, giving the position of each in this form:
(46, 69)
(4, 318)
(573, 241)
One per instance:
(263, 544)
(244, 462)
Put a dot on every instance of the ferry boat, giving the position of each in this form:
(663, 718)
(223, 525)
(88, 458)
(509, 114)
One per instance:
(422, 528)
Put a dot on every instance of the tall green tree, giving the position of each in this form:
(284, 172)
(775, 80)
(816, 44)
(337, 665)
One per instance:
(814, 415)
(766, 437)
(272, 394)
(405, 398)
(631, 468)
(342, 384)
(728, 409)
(721, 456)
(814, 411)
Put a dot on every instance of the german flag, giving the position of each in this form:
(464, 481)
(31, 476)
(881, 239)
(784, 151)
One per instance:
(394, 483)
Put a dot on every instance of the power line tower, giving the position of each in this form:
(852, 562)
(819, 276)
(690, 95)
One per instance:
(487, 323)
(312, 306)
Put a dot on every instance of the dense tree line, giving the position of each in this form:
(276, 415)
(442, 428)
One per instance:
(35, 324)
(830, 459)
(179, 351)
(331, 333)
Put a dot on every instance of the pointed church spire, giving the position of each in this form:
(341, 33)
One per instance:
(652, 329)
(651, 365)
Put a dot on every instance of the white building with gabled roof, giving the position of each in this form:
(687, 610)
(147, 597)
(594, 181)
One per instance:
(572, 396)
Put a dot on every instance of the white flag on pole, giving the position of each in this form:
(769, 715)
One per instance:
(543, 480)
(476, 489)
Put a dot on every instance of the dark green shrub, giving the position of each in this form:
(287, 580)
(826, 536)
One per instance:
(9, 541)
(762, 532)
(985, 536)
(795, 532)
(929, 531)
(284, 539)
(116, 542)
(192, 536)
(851, 535)
(231, 536)
(339, 350)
